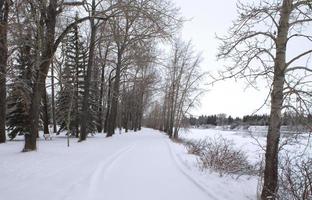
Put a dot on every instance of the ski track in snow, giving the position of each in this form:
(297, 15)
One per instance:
(103, 168)
(132, 166)
(196, 181)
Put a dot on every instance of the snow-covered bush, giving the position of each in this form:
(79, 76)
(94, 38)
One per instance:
(195, 147)
(220, 155)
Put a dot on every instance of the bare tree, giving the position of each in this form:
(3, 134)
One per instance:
(257, 45)
(85, 102)
(184, 79)
(139, 21)
(182, 87)
(4, 14)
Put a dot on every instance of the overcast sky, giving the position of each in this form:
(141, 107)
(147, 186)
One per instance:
(208, 18)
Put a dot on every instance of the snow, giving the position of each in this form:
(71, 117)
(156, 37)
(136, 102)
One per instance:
(253, 141)
(253, 146)
(132, 166)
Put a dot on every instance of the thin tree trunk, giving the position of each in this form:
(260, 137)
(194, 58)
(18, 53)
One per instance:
(76, 82)
(85, 102)
(270, 185)
(45, 115)
(108, 104)
(52, 99)
(4, 11)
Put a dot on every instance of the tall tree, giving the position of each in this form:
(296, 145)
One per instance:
(73, 79)
(85, 103)
(48, 17)
(258, 43)
(4, 13)
(49, 13)
(183, 79)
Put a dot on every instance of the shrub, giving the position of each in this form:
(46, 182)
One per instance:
(220, 155)
(295, 178)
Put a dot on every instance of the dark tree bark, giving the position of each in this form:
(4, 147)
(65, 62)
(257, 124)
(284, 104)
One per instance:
(100, 111)
(50, 22)
(108, 103)
(4, 12)
(101, 103)
(270, 185)
(45, 116)
(115, 96)
(86, 95)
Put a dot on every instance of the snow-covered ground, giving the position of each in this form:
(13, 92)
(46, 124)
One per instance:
(252, 141)
(252, 146)
(132, 166)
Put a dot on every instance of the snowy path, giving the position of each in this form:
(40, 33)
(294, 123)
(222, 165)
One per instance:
(125, 167)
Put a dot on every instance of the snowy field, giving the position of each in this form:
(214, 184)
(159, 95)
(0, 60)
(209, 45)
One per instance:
(252, 140)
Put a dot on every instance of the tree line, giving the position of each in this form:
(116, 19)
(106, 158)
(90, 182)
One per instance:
(288, 119)
(223, 119)
(82, 66)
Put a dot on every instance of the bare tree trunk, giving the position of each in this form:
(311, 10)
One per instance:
(30, 138)
(101, 103)
(86, 95)
(270, 185)
(52, 100)
(115, 94)
(45, 116)
(4, 12)
(171, 111)
(108, 104)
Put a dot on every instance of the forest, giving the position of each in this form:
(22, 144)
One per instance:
(88, 67)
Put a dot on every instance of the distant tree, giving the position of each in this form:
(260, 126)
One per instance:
(183, 82)
(230, 120)
(221, 119)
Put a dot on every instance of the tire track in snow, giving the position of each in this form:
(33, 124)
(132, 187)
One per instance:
(181, 167)
(101, 170)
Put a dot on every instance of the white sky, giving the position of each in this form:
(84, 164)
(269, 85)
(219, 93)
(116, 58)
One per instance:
(209, 18)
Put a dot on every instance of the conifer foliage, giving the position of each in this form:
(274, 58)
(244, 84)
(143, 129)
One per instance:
(69, 100)
(18, 101)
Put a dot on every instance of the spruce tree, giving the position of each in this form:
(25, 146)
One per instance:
(19, 96)
(69, 99)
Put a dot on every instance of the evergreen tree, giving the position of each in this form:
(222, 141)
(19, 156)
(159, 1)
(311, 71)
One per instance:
(69, 99)
(18, 101)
